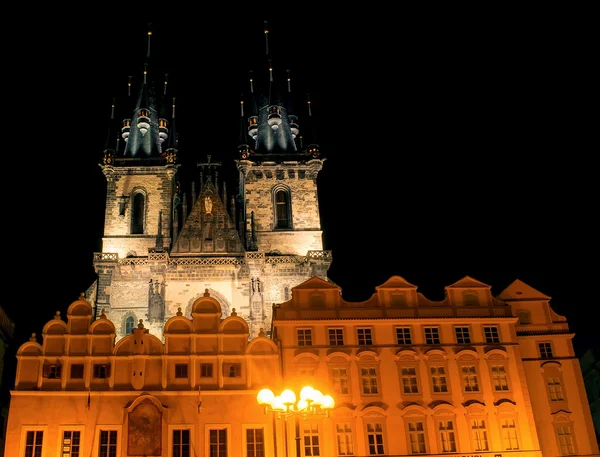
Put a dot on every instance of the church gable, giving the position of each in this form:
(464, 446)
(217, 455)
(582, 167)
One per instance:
(397, 292)
(208, 227)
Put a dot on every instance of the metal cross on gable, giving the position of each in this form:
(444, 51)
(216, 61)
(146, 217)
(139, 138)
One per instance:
(208, 163)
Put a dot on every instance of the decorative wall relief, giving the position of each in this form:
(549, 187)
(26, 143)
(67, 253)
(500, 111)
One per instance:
(144, 431)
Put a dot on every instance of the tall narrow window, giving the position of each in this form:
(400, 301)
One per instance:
(565, 440)
(416, 438)
(137, 214)
(479, 434)
(343, 434)
(409, 380)
(369, 380)
(375, 437)
(555, 389)
(447, 439)
(282, 209)
(469, 374)
(129, 323)
(499, 378)
(70, 443)
(217, 442)
(509, 434)
(255, 442)
(340, 380)
(108, 443)
(311, 440)
(438, 379)
(181, 443)
(33, 443)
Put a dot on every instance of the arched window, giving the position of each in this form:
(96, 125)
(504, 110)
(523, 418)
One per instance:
(137, 214)
(283, 219)
(129, 322)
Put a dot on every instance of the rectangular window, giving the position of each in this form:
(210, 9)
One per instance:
(416, 438)
(438, 379)
(310, 437)
(469, 374)
(340, 380)
(217, 442)
(447, 439)
(462, 335)
(555, 389)
(304, 337)
(403, 335)
(409, 380)
(343, 434)
(336, 337)
(181, 370)
(499, 378)
(101, 371)
(432, 335)
(181, 443)
(206, 370)
(33, 443)
(71, 441)
(232, 370)
(369, 380)
(364, 337)
(479, 434)
(509, 434)
(51, 371)
(107, 446)
(255, 442)
(565, 440)
(545, 350)
(77, 371)
(492, 335)
(375, 438)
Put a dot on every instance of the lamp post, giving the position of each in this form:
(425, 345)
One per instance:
(311, 402)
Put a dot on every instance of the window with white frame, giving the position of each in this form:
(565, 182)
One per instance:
(34, 440)
(343, 437)
(509, 434)
(206, 370)
(416, 437)
(555, 389)
(463, 335)
(446, 435)
(70, 444)
(545, 350)
(368, 376)
(469, 375)
(375, 438)
(255, 442)
(339, 377)
(217, 442)
(310, 439)
(364, 336)
(492, 335)
(107, 443)
(232, 370)
(438, 379)
(409, 380)
(403, 335)
(336, 337)
(432, 335)
(181, 370)
(479, 435)
(499, 378)
(565, 439)
(180, 442)
(304, 337)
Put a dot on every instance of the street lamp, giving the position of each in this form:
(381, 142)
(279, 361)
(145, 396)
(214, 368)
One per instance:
(311, 403)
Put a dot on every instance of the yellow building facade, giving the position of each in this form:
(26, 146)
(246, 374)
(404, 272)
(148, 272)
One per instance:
(470, 375)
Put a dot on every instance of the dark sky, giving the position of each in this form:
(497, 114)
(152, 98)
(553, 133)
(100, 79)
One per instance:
(453, 147)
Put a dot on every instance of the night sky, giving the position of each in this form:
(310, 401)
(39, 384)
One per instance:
(452, 149)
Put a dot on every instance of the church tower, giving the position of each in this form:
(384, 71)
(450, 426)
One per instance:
(167, 242)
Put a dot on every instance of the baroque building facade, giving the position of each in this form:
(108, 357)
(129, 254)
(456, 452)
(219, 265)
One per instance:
(204, 299)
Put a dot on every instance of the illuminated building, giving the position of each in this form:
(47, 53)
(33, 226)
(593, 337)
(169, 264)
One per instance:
(165, 353)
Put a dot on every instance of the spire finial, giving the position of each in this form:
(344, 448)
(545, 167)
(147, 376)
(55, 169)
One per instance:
(266, 39)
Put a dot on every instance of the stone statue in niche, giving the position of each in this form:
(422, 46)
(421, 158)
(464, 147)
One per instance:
(208, 204)
(144, 431)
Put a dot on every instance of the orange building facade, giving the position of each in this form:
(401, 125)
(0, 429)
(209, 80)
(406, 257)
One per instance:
(470, 375)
